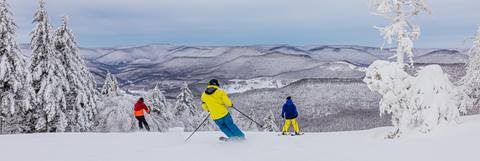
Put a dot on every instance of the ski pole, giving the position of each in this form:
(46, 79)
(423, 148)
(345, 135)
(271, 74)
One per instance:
(248, 117)
(204, 120)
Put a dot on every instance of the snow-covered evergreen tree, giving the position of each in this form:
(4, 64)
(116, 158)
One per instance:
(82, 97)
(185, 110)
(269, 123)
(15, 87)
(401, 30)
(48, 76)
(471, 81)
(415, 103)
(110, 87)
(160, 110)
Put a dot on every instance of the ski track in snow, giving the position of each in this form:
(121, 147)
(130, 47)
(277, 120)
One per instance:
(448, 143)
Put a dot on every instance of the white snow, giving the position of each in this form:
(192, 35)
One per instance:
(449, 143)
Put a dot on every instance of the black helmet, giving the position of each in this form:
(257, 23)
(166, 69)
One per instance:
(213, 82)
(289, 97)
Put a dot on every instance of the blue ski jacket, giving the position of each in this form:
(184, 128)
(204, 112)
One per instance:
(289, 110)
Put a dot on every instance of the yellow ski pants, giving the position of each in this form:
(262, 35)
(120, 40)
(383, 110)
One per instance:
(287, 125)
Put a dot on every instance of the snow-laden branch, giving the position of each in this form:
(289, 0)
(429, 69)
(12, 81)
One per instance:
(401, 31)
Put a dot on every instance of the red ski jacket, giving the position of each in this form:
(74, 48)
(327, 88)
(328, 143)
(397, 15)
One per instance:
(140, 107)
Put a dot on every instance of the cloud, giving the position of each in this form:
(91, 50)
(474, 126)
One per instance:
(237, 22)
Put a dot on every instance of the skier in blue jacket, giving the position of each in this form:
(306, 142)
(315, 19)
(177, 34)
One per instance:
(289, 112)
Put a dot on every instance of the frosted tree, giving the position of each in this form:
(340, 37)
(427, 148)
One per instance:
(110, 87)
(185, 109)
(401, 30)
(15, 89)
(416, 104)
(115, 114)
(270, 124)
(115, 110)
(48, 76)
(82, 96)
(160, 110)
(471, 81)
(440, 100)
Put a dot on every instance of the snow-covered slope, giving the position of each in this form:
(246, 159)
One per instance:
(449, 143)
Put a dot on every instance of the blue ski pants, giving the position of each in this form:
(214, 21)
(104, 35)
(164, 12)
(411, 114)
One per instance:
(228, 127)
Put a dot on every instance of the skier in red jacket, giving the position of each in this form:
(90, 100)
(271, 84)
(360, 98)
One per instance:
(139, 109)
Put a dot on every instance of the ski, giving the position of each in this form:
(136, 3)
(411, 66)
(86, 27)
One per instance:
(222, 138)
(287, 134)
(290, 134)
(297, 134)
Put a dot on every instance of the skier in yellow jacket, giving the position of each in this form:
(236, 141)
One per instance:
(216, 102)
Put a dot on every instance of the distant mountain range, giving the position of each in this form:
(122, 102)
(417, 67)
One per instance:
(324, 80)
(143, 66)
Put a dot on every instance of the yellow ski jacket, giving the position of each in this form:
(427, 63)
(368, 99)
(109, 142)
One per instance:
(216, 101)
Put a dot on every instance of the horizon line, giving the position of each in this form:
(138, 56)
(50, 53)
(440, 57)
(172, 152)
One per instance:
(242, 45)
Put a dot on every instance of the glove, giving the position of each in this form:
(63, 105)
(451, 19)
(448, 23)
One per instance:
(283, 116)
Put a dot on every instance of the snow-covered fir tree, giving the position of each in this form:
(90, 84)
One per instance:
(161, 112)
(185, 110)
(110, 87)
(15, 87)
(269, 123)
(416, 104)
(48, 76)
(401, 30)
(82, 96)
(471, 81)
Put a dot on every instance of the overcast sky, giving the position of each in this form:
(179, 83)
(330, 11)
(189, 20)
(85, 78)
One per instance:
(104, 23)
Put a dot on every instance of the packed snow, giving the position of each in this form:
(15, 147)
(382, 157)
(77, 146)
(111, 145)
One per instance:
(448, 143)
